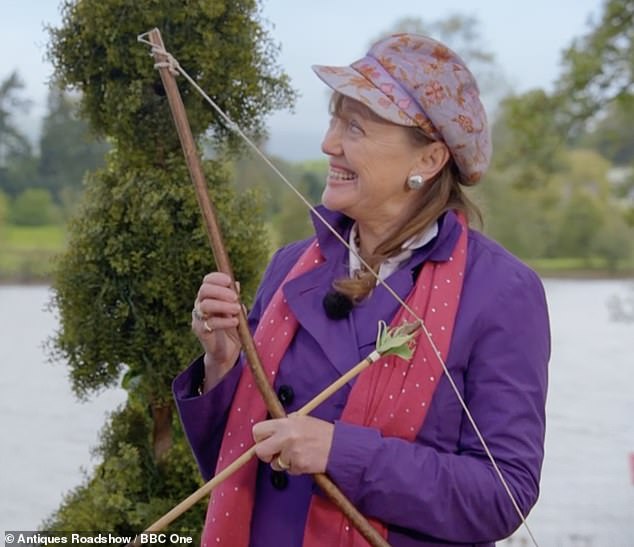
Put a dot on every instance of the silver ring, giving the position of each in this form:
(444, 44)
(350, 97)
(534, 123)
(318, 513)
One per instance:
(198, 315)
(207, 327)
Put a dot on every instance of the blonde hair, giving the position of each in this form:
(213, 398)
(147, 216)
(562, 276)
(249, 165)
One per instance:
(442, 193)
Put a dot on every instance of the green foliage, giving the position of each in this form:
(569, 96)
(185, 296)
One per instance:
(568, 214)
(136, 255)
(598, 67)
(548, 201)
(287, 214)
(313, 177)
(128, 489)
(613, 242)
(19, 173)
(17, 165)
(137, 252)
(584, 169)
(612, 134)
(34, 207)
(4, 207)
(12, 141)
(67, 149)
(250, 172)
(292, 221)
(518, 218)
(220, 43)
(526, 139)
(582, 218)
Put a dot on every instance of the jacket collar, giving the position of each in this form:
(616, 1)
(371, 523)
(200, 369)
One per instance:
(437, 250)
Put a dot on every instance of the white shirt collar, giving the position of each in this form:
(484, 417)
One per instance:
(390, 265)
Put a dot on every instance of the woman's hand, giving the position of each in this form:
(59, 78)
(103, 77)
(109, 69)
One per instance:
(297, 444)
(215, 322)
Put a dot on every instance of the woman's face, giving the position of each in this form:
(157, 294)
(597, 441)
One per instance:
(370, 162)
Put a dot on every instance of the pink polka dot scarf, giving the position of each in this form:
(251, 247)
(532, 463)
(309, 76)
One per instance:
(392, 395)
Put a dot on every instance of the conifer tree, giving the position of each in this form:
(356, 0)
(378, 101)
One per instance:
(137, 252)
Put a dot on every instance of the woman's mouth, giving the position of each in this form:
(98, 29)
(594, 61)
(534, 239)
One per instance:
(339, 174)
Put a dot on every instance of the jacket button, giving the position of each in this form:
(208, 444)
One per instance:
(286, 395)
(279, 480)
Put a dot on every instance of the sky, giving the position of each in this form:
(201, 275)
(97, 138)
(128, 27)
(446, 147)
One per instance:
(526, 38)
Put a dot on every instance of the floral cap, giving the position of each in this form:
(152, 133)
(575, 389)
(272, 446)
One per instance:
(413, 80)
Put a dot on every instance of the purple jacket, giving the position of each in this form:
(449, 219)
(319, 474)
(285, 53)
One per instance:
(442, 489)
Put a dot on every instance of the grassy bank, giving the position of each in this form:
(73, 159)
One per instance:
(26, 252)
(582, 268)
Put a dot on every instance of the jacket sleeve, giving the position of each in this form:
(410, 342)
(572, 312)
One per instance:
(458, 496)
(204, 416)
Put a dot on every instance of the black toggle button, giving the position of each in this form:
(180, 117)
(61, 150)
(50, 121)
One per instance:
(286, 395)
(279, 479)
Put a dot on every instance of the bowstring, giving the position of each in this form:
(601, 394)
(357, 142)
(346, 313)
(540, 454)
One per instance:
(175, 68)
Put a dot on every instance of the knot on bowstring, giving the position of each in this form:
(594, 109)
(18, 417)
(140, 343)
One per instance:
(169, 62)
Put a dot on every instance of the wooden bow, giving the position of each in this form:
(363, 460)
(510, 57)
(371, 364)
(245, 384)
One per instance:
(223, 264)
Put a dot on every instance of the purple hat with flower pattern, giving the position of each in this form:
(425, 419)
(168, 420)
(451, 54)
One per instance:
(413, 80)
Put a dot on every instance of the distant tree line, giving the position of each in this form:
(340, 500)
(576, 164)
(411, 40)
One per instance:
(561, 184)
(40, 184)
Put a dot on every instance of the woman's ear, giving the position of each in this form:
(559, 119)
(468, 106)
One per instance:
(433, 157)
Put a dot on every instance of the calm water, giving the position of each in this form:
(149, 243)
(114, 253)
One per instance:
(587, 489)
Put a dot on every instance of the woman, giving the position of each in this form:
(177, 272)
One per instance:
(407, 131)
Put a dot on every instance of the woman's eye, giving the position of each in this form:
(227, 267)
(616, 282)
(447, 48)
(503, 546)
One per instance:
(354, 126)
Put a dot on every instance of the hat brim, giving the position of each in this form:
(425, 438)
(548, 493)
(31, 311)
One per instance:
(351, 83)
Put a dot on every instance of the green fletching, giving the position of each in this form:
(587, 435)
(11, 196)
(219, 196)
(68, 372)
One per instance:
(396, 340)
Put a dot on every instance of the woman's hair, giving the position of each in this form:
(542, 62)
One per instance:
(442, 193)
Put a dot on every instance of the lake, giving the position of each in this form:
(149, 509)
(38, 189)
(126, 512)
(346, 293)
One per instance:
(587, 496)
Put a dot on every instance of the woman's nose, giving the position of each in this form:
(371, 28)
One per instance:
(331, 143)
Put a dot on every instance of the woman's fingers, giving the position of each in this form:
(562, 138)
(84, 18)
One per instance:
(215, 318)
(217, 278)
(216, 297)
(263, 430)
(216, 305)
(297, 444)
(269, 436)
(215, 323)
(217, 285)
(209, 307)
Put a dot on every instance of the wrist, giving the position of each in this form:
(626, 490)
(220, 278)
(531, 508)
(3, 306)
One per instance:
(214, 372)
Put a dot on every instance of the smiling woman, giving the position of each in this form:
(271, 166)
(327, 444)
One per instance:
(445, 448)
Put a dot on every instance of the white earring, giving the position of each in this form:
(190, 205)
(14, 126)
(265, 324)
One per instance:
(415, 182)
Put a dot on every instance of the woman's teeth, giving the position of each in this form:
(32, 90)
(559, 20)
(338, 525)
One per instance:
(341, 175)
